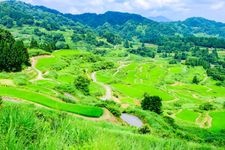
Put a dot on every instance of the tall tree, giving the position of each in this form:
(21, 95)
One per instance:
(152, 103)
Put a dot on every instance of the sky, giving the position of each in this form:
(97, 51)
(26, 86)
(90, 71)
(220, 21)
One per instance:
(172, 9)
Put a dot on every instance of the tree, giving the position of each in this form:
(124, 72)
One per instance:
(206, 106)
(152, 103)
(13, 54)
(126, 44)
(195, 80)
(82, 83)
(34, 43)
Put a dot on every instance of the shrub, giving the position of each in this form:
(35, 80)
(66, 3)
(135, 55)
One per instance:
(145, 129)
(195, 80)
(1, 100)
(66, 88)
(113, 107)
(206, 106)
(173, 62)
(152, 103)
(82, 83)
(66, 99)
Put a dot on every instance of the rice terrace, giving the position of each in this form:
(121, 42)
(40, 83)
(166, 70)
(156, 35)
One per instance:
(112, 80)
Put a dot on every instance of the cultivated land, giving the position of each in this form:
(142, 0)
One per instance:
(87, 77)
(125, 83)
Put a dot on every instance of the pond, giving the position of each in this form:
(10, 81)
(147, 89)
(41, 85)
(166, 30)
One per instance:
(131, 120)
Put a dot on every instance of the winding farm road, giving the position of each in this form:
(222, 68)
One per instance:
(108, 90)
(33, 66)
(204, 121)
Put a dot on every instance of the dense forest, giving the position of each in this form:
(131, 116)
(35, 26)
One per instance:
(13, 54)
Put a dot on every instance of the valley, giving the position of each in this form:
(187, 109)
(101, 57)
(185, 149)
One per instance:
(109, 81)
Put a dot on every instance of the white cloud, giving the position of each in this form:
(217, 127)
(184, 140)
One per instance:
(175, 9)
(218, 5)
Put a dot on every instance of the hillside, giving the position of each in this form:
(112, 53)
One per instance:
(93, 81)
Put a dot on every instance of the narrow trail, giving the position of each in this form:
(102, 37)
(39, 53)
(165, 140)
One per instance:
(122, 65)
(204, 120)
(108, 90)
(33, 66)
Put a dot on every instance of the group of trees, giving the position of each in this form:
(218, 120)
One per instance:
(13, 13)
(143, 51)
(48, 42)
(13, 54)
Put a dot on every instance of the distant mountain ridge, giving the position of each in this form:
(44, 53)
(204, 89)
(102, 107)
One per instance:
(111, 17)
(160, 19)
(13, 13)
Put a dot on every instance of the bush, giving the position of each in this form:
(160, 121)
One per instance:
(152, 103)
(113, 107)
(1, 100)
(66, 99)
(173, 62)
(206, 106)
(82, 83)
(68, 88)
(145, 129)
(195, 80)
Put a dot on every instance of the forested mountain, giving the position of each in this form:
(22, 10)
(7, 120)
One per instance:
(104, 29)
(113, 18)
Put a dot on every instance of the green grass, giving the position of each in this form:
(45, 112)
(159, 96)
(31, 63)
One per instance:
(28, 127)
(50, 102)
(188, 115)
(217, 120)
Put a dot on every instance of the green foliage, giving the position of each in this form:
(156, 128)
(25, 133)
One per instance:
(13, 54)
(152, 103)
(206, 106)
(195, 80)
(145, 129)
(82, 83)
(1, 101)
(112, 106)
(34, 43)
(66, 88)
(29, 127)
(37, 52)
(66, 99)
(103, 65)
(143, 51)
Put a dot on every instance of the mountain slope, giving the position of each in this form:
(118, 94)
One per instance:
(160, 19)
(113, 18)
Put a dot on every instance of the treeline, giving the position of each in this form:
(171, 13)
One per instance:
(13, 54)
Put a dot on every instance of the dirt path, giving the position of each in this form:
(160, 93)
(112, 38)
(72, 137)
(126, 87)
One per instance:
(122, 65)
(108, 90)
(33, 66)
(204, 121)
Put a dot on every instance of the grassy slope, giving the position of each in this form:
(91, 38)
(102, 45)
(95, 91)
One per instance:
(24, 126)
(51, 102)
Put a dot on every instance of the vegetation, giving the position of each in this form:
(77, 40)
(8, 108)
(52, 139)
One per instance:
(13, 54)
(96, 67)
(82, 83)
(152, 103)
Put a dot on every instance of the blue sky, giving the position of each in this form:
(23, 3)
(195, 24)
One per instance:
(173, 9)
